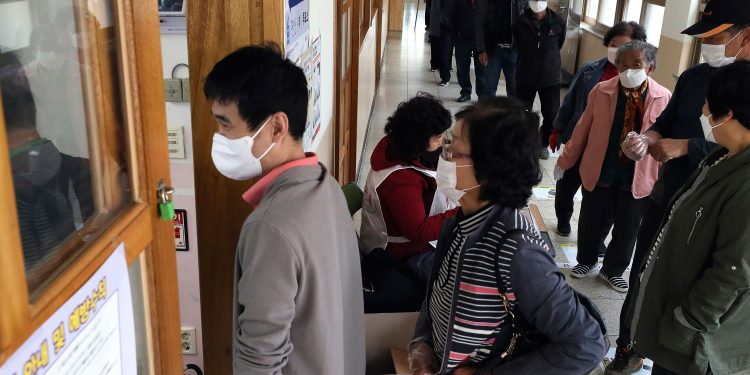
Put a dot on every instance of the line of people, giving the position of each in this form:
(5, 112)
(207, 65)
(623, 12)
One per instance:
(520, 39)
(495, 301)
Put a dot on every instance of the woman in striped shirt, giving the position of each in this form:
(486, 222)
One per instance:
(489, 252)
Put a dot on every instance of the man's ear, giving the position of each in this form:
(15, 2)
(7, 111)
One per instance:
(280, 123)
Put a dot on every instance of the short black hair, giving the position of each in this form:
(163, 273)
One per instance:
(736, 28)
(630, 29)
(505, 143)
(261, 81)
(18, 100)
(412, 125)
(729, 90)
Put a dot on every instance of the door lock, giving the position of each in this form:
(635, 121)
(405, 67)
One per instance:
(164, 197)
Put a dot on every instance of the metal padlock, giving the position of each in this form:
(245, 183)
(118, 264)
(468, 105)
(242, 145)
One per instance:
(166, 206)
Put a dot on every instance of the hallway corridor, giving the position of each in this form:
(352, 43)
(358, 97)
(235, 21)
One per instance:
(405, 73)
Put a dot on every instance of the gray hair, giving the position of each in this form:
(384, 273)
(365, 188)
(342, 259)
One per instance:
(649, 51)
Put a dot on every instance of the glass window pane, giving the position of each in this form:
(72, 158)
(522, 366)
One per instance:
(63, 118)
(578, 7)
(592, 8)
(653, 22)
(633, 11)
(607, 10)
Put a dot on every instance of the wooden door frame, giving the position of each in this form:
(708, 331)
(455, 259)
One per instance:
(216, 28)
(138, 226)
(348, 175)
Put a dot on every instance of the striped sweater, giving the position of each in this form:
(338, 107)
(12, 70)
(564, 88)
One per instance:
(465, 306)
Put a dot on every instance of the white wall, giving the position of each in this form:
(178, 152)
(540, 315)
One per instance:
(175, 51)
(365, 87)
(322, 23)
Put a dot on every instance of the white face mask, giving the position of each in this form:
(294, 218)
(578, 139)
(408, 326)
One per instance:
(234, 157)
(447, 180)
(538, 6)
(633, 78)
(612, 55)
(708, 129)
(715, 55)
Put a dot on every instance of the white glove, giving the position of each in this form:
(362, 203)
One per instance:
(635, 146)
(558, 173)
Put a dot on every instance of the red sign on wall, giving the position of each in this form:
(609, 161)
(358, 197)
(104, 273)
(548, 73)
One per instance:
(181, 242)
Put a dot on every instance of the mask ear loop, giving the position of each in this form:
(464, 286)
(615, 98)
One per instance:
(261, 127)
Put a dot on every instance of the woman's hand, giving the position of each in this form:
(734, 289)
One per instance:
(635, 146)
(422, 360)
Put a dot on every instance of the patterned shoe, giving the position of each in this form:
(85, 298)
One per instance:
(580, 271)
(625, 362)
(616, 282)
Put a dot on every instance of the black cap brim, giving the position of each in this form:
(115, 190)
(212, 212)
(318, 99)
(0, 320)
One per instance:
(705, 29)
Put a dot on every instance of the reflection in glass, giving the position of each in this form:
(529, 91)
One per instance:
(62, 115)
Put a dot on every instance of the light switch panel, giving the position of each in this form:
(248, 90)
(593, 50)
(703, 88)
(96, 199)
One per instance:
(176, 140)
(173, 90)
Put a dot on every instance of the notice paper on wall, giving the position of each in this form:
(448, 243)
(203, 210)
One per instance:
(297, 30)
(92, 333)
(311, 67)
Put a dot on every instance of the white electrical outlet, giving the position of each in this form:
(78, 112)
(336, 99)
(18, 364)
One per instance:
(176, 139)
(188, 340)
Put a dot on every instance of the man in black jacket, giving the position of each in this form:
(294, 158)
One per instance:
(678, 139)
(494, 41)
(464, 19)
(539, 35)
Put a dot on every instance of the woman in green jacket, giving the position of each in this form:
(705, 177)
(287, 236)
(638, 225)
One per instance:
(692, 310)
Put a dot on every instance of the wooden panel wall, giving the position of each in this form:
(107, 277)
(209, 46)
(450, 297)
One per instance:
(216, 28)
(396, 15)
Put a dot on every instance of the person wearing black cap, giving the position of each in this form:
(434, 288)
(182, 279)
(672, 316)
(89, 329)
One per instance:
(692, 311)
(677, 140)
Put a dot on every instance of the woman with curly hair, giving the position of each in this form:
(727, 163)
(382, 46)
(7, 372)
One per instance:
(491, 265)
(402, 210)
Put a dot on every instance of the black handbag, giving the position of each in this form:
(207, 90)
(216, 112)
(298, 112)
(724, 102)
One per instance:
(388, 285)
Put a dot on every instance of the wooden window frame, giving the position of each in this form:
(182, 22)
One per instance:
(142, 122)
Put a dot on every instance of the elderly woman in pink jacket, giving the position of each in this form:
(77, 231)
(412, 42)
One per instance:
(614, 185)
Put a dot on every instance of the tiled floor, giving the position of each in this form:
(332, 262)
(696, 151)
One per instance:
(405, 72)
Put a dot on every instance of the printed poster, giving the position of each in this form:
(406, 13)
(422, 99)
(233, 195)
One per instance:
(92, 333)
(311, 67)
(297, 30)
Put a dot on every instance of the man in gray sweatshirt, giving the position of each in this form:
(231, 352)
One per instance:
(298, 291)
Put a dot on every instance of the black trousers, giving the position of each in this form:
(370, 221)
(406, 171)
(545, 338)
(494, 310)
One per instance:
(599, 207)
(565, 191)
(464, 52)
(441, 54)
(427, 11)
(652, 217)
(549, 97)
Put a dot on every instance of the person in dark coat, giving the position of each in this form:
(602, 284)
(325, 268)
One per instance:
(495, 44)
(464, 19)
(539, 35)
(677, 140)
(692, 311)
(491, 262)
